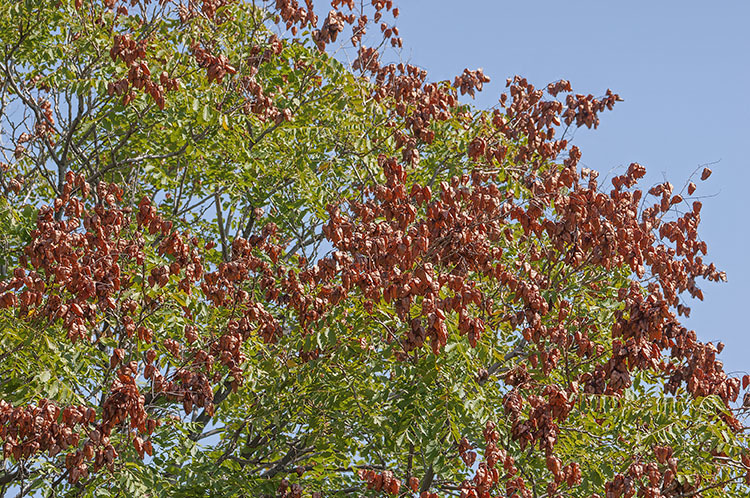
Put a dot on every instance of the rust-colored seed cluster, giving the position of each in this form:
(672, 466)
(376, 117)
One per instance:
(133, 54)
(216, 66)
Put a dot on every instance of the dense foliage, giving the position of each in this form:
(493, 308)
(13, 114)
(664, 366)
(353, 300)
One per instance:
(233, 265)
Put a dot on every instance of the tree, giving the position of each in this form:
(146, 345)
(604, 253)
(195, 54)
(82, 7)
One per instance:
(234, 266)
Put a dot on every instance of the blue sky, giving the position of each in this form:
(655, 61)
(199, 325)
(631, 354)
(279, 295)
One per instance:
(683, 69)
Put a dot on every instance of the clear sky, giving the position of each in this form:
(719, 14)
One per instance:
(683, 69)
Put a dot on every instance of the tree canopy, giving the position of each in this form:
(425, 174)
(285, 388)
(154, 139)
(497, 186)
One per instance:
(244, 254)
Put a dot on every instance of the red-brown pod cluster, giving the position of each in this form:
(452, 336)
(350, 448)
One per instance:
(380, 481)
(217, 67)
(285, 490)
(470, 81)
(133, 54)
(495, 462)
(332, 26)
(28, 430)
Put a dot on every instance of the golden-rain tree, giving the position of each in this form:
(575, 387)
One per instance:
(233, 265)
